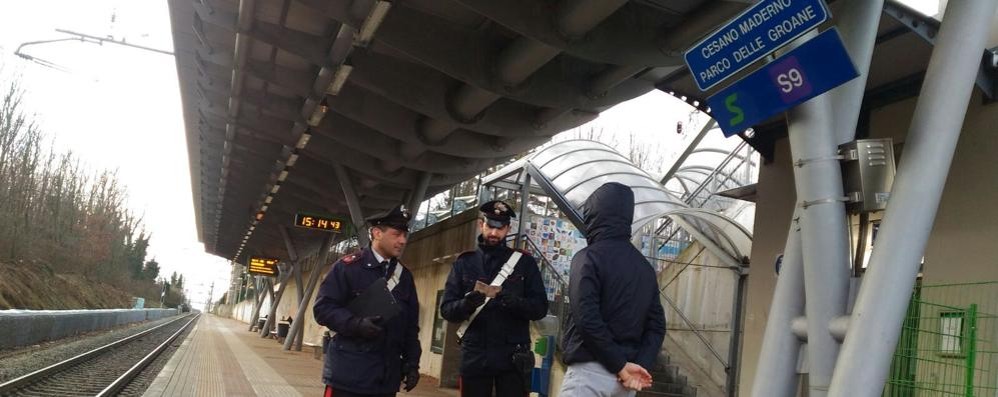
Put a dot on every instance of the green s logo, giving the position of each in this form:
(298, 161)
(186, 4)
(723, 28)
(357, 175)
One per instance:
(739, 115)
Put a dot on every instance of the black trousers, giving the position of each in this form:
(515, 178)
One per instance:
(330, 392)
(505, 384)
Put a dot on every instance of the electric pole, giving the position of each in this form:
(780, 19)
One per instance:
(211, 297)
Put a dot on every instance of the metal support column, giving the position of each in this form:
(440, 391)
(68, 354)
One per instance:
(929, 147)
(285, 277)
(858, 21)
(301, 292)
(353, 204)
(734, 344)
(272, 314)
(776, 370)
(301, 297)
(298, 279)
(296, 267)
(297, 324)
(524, 209)
(256, 309)
(824, 232)
(418, 194)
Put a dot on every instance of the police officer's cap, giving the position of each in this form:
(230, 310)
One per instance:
(397, 218)
(497, 213)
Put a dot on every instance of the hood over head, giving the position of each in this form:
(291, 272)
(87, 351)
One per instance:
(609, 212)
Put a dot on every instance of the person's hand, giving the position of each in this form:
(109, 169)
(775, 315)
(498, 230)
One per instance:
(473, 300)
(510, 301)
(410, 378)
(367, 327)
(634, 377)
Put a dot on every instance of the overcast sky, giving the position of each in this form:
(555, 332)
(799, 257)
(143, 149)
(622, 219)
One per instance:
(119, 108)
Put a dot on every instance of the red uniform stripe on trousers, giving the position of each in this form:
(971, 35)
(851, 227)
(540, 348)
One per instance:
(329, 391)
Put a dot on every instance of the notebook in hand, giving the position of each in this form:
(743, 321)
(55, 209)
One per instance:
(376, 300)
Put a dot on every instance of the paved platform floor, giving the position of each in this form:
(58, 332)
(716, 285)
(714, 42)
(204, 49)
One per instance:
(221, 358)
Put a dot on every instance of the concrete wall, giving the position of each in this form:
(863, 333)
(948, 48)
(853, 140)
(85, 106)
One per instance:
(26, 327)
(429, 255)
(288, 306)
(243, 311)
(962, 243)
(961, 247)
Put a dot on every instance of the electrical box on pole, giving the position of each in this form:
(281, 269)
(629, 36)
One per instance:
(867, 174)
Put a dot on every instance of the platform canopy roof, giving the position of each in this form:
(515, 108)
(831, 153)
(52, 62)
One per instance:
(277, 92)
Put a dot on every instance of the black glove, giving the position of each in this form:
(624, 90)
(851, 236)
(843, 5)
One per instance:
(410, 378)
(473, 300)
(367, 327)
(511, 301)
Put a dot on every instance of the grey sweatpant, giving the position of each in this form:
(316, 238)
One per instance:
(592, 380)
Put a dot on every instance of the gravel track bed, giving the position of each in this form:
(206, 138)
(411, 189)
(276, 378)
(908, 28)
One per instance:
(24, 361)
(91, 376)
(145, 378)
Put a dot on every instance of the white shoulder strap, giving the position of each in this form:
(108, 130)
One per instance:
(396, 276)
(506, 270)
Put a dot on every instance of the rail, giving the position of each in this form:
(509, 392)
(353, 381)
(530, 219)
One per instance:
(14, 385)
(136, 369)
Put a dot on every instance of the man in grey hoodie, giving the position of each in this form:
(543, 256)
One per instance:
(616, 324)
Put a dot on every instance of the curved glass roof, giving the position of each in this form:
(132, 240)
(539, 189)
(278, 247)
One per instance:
(576, 168)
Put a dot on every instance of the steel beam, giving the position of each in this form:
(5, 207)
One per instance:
(275, 299)
(776, 368)
(245, 19)
(296, 325)
(735, 340)
(256, 306)
(524, 208)
(307, 46)
(858, 21)
(570, 212)
(824, 232)
(418, 194)
(353, 204)
(573, 31)
(986, 76)
(301, 295)
(929, 147)
(426, 94)
(343, 131)
(516, 62)
(689, 150)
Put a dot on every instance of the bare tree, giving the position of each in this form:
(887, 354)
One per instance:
(54, 211)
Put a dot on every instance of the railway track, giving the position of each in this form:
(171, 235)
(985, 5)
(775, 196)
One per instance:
(103, 371)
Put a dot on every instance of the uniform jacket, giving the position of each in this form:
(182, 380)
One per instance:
(488, 344)
(616, 316)
(360, 365)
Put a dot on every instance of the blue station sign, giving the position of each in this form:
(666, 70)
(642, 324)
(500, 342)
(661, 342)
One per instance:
(805, 72)
(753, 34)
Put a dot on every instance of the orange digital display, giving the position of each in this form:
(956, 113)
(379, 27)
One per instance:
(262, 266)
(324, 223)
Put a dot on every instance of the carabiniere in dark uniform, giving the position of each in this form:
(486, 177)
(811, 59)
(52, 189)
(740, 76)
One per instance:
(369, 356)
(496, 345)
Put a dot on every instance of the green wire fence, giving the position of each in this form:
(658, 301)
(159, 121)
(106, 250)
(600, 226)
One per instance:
(948, 343)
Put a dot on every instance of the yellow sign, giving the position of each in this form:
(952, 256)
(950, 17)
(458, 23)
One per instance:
(263, 266)
(323, 223)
